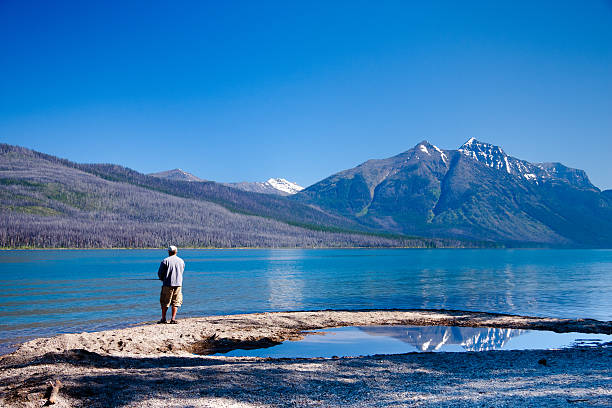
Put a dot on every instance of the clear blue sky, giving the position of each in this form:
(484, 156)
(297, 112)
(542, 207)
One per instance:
(234, 91)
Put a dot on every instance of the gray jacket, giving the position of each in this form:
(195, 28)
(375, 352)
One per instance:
(170, 271)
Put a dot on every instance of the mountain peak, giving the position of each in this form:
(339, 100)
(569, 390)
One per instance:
(429, 149)
(471, 141)
(284, 185)
(176, 174)
(487, 153)
(275, 185)
(424, 146)
(474, 144)
(494, 157)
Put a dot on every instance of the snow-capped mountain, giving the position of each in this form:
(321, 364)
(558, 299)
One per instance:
(278, 186)
(476, 192)
(493, 156)
(176, 174)
(432, 338)
(284, 185)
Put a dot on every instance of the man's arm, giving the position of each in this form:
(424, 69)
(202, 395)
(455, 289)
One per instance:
(161, 272)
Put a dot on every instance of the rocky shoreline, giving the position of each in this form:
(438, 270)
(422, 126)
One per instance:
(153, 365)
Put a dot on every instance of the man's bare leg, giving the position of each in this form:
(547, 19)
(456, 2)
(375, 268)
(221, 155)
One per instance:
(164, 310)
(174, 309)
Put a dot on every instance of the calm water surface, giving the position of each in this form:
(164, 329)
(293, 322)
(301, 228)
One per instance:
(370, 340)
(49, 292)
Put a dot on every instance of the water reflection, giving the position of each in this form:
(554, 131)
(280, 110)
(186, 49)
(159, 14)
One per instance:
(284, 276)
(434, 338)
(360, 341)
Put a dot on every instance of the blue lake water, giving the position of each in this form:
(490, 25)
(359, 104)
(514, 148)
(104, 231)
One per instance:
(46, 292)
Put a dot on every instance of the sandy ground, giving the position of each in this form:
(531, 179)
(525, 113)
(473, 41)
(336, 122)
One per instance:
(155, 366)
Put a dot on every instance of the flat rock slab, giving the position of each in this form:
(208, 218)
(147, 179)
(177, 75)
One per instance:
(154, 365)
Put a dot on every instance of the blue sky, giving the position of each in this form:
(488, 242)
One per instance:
(234, 91)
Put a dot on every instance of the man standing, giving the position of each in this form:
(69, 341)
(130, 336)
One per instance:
(170, 272)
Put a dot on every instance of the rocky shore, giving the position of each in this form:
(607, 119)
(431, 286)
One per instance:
(153, 365)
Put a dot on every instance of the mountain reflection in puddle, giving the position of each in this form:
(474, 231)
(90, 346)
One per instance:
(433, 338)
(360, 341)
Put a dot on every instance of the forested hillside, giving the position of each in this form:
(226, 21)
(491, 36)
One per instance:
(236, 200)
(51, 202)
(474, 196)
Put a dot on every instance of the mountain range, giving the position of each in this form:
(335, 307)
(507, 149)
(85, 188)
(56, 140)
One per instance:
(278, 186)
(476, 195)
(474, 192)
(46, 201)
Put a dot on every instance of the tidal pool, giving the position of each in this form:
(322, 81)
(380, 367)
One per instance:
(370, 340)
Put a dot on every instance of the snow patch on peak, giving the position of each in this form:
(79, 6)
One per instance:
(486, 153)
(424, 149)
(442, 154)
(278, 186)
(284, 185)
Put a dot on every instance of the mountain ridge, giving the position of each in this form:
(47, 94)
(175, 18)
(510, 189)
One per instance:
(493, 156)
(472, 196)
(474, 191)
(46, 201)
(274, 185)
(176, 174)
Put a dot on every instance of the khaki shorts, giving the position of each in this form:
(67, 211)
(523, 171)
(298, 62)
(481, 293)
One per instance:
(171, 295)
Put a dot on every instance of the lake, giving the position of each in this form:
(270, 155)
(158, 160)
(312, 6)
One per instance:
(62, 291)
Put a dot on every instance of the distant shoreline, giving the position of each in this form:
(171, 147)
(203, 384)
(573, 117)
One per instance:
(294, 248)
(241, 248)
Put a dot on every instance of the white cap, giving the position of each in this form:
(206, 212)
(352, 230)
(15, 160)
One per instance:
(172, 248)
